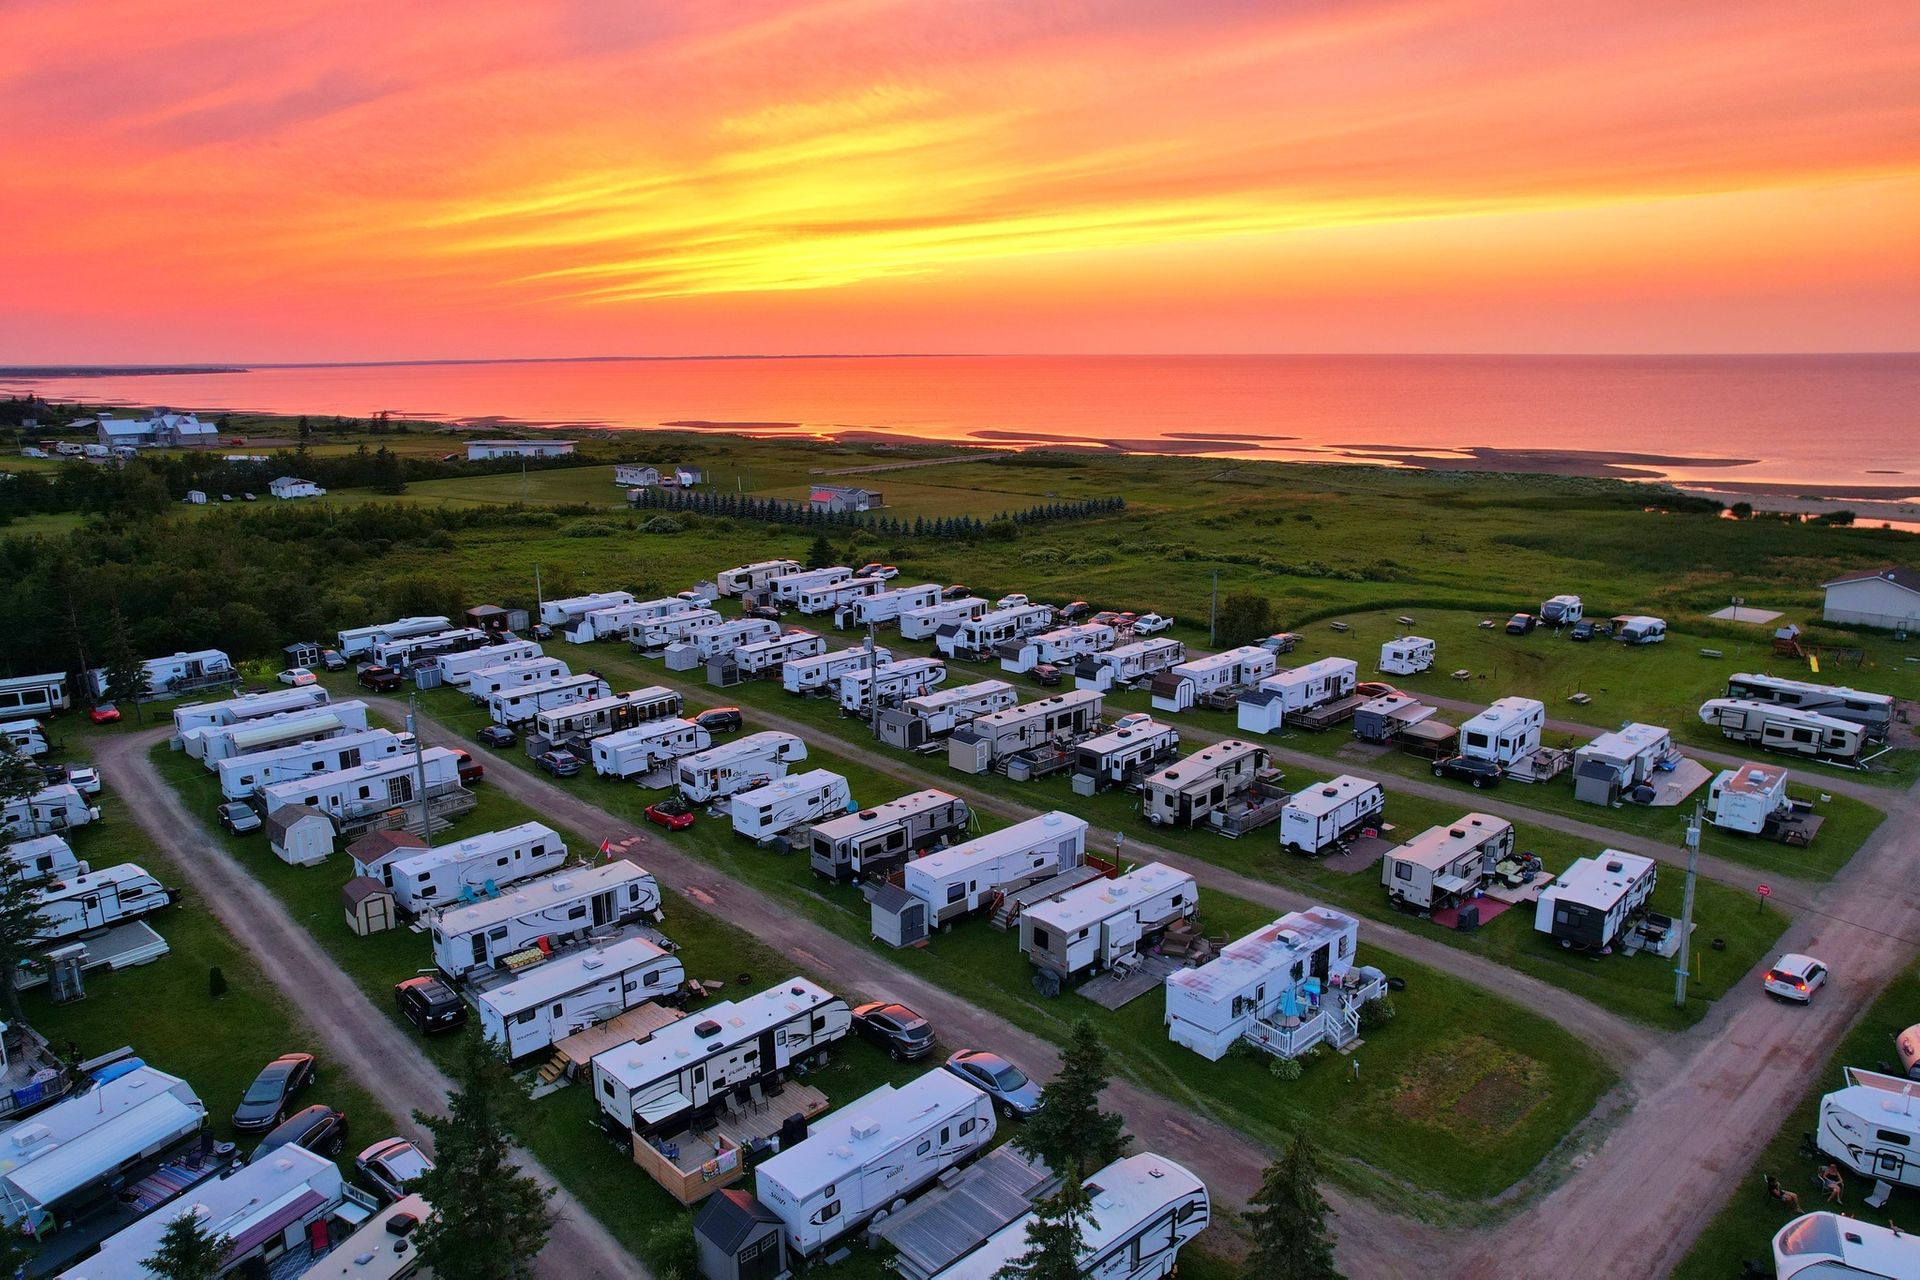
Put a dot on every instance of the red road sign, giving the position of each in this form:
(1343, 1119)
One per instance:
(1765, 892)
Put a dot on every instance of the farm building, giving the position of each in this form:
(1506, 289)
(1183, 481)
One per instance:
(480, 450)
(1888, 598)
(294, 487)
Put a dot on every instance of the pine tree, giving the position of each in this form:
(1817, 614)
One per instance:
(820, 554)
(489, 1221)
(126, 679)
(1287, 1220)
(1056, 1237)
(188, 1251)
(19, 923)
(1070, 1132)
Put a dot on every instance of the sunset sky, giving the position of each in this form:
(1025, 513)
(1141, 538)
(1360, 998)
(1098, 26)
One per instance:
(305, 180)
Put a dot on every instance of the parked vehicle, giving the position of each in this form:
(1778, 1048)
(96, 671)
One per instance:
(83, 778)
(391, 1165)
(1582, 630)
(1073, 611)
(763, 611)
(238, 818)
(318, 1128)
(104, 713)
(1521, 623)
(1150, 623)
(1016, 1093)
(1045, 673)
(1795, 977)
(296, 676)
(1280, 642)
(904, 1034)
(429, 1003)
(471, 770)
(333, 660)
(673, 813)
(272, 1092)
(720, 719)
(560, 763)
(1472, 769)
(1012, 601)
(497, 735)
(379, 679)
(955, 592)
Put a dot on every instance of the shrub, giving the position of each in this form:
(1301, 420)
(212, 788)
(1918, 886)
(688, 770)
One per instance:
(1286, 1069)
(1376, 1013)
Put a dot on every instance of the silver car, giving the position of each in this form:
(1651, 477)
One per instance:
(1016, 1092)
(392, 1165)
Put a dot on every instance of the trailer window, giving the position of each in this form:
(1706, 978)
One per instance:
(1894, 1139)
(955, 892)
(1403, 871)
(924, 1147)
(523, 1017)
(966, 1127)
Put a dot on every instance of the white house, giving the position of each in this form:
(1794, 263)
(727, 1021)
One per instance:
(294, 487)
(479, 450)
(632, 475)
(162, 429)
(1888, 597)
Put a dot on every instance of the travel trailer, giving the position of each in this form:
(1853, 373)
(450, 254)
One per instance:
(359, 642)
(1143, 1210)
(1124, 756)
(1106, 922)
(826, 597)
(76, 905)
(1833, 1246)
(964, 878)
(1287, 693)
(242, 776)
(821, 673)
(1871, 1125)
(635, 752)
(890, 683)
(1217, 675)
(1591, 903)
(370, 787)
(45, 812)
(685, 1070)
(1295, 970)
(1129, 664)
(1061, 720)
(926, 621)
(567, 994)
(1776, 728)
(885, 606)
(1186, 791)
(456, 669)
(787, 587)
(175, 674)
(1873, 712)
(1747, 799)
(872, 843)
(924, 721)
(1064, 645)
(247, 706)
(404, 652)
(768, 657)
(765, 812)
(483, 683)
(34, 695)
(1386, 717)
(43, 856)
(978, 637)
(1561, 611)
(1639, 629)
(1618, 761)
(567, 611)
(1506, 733)
(478, 866)
(515, 707)
(1407, 656)
(26, 738)
(1320, 816)
(563, 907)
(583, 721)
(1445, 866)
(680, 628)
(211, 744)
(753, 577)
(618, 620)
(871, 1153)
(750, 761)
(729, 636)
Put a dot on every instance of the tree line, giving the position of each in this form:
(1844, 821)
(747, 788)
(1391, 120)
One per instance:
(805, 515)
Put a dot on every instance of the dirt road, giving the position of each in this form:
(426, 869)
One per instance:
(353, 1036)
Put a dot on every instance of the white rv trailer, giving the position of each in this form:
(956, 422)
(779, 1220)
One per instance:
(74, 905)
(1320, 816)
(828, 596)
(66, 1152)
(247, 706)
(752, 577)
(885, 606)
(614, 621)
(456, 669)
(750, 761)
(1186, 791)
(764, 657)
(729, 636)
(629, 753)
(925, 622)
(687, 1068)
(410, 651)
(876, 1150)
(1143, 1209)
(1180, 687)
(1213, 1007)
(1098, 924)
(1639, 629)
(598, 716)
(242, 776)
(1287, 693)
(873, 842)
(369, 787)
(1506, 733)
(570, 993)
(1123, 756)
(1806, 733)
(680, 628)
(1621, 759)
(46, 811)
(1407, 656)
(764, 812)
(1590, 904)
(1747, 798)
(480, 864)
(176, 673)
(44, 856)
(1062, 719)
(513, 707)
(1559, 611)
(788, 586)
(925, 720)
(1871, 1125)
(658, 608)
(26, 738)
(1871, 711)
(213, 743)
(1446, 865)
(1128, 664)
(979, 636)
(560, 907)
(34, 695)
(890, 683)
(568, 610)
(1834, 1246)
(1064, 644)
(821, 673)
(514, 674)
(964, 878)
(358, 642)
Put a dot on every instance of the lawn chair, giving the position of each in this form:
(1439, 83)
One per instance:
(1881, 1190)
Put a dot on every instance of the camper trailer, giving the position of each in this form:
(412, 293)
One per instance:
(1506, 732)
(27, 738)
(876, 1150)
(1873, 712)
(1106, 922)
(1124, 756)
(370, 787)
(485, 683)
(730, 636)
(1295, 969)
(635, 752)
(559, 997)
(76, 905)
(47, 811)
(1806, 733)
(874, 842)
(680, 628)
(885, 606)
(1444, 866)
(1186, 791)
(1321, 816)
(247, 706)
(584, 721)
(214, 743)
(1386, 717)
(686, 1069)
(1615, 763)
(1129, 664)
(820, 673)
(788, 586)
(1639, 629)
(1871, 1125)
(175, 674)
(1288, 693)
(769, 657)
(750, 761)
(359, 642)
(765, 812)
(34, 695)
(1748, 798)
(925, 720)
(978, 637)
(39, 856)
(516, 707)
(964, 878)
(1590, 904)
(561, 907)
(478, 866)
(1561, 611)
(1061, 720)
(1407, 656)
(749, 578)
(926, 621)
(1142, 1210)
(242, 776)
(890, 683)
(458, 669)
(1063, 645)
(826, 597)
(1838, 1246)
(1217, 675)
(564, 613)
(404, 652)
(615, 621)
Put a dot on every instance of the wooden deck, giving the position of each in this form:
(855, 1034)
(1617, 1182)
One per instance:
(1116, 991)
(637, 1023)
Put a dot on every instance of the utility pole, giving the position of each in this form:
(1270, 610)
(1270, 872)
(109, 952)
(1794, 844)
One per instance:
(1680, 973)
(539, 600)
(1213, 613)
(419, 768)
(873, 682)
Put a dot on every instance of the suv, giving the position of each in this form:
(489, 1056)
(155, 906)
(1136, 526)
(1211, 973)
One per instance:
(766, 611)
(904, 1034)
(379, 679)
(1481, 773)
(429, 1003)
(720, 719)
(318, 1128)
(559, 762)
(1073, 612)
(1521, 623)
(332, 660)
(238, 818)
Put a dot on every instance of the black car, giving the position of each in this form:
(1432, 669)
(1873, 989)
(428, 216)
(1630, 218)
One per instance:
(720, 719)
(266, 1100)
(559, 762)
(1481, 773)
(380, 679)
(429, 1004)
(1073, 612)
(904, 1034)
(955, 592)
(766, 611)
(496, 735)
(1582, 630)
(1521, 623)
(318, 1128)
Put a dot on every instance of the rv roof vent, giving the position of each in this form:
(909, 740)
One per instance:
(1051, 819)
(1615, 865)
(28, 1134)
(864, 1127)
(867, 815)
(283, 1164)
(707, 1027)
(591, 962)
(1459, 833)
(1329, 791)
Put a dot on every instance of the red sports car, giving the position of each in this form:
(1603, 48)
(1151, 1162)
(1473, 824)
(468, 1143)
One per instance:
(105, 713)
(674, 814)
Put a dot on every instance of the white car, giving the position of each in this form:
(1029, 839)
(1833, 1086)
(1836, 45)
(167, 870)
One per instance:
(84, 778)
(297, 676)
(698, 599)
(1148, 623)
(392, 1166)
(1796, 977)
(1013, 601)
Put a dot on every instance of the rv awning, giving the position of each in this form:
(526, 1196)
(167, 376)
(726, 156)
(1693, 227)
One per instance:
(75, 1165)
(1452, 884)
(662, 1108)
(275, 1219)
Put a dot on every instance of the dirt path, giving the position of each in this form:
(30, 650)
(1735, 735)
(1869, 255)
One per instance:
(354, 1035)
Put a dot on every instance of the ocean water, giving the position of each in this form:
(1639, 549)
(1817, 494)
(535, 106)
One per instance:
(1806, 421)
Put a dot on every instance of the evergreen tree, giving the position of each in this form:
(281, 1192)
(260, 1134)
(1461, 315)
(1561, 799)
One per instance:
(126, 678)
(1070, 1132)
(1055, 1238)
(820, 554)
(188, 1251)
(1244, 618)
(489, 1221)
(19, 922)
(1287, 1220)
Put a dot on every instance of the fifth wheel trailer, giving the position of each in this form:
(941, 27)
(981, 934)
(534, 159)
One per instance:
(598, 716)
(1871, 711)
(678, 628)
(483, 683)
(558, 908)
(457, 669)
(1128, 664)
(922, 722)
(358, 642)
(1776, 728)
(567, 611)
(744, 763)
(752, 577)
(964, 878)
(1320, 816)
(1871, 1125)
(787, 587)
(890, 683)
(925, 622)
(873, 842)
(978, 637)
(482, 864)
(1287, 693)
(515, 707)
(1062, 645)
(885, 606)
(247, 706)
(567, 994)
(1063, 719)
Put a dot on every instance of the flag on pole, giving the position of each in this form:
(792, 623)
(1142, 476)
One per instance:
(606, 846)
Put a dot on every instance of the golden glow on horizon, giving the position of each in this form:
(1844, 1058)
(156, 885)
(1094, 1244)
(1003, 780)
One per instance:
(323, 180)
